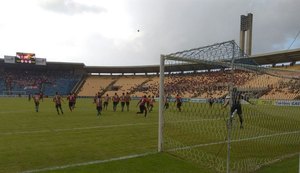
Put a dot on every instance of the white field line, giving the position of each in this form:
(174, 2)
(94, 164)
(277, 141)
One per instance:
(88, 163)
(92, 127)
(74, 129)
(236, 140)
(149, 153)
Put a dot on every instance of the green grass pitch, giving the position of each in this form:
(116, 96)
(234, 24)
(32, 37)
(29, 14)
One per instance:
(79, 141)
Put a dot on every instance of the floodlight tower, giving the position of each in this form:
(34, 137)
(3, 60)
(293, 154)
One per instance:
(246, 26)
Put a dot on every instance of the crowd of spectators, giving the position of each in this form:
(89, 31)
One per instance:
(205, 84)
(149, 87)
(202, 85)
(284, 89)
(25, 80)
(193, 85)
(293, 86)
(31, 81)
(215, 84)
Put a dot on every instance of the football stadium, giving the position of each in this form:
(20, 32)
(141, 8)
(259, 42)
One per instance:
(200, 134)
(212, 109)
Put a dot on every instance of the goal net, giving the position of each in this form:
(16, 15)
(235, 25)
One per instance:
(235, 116)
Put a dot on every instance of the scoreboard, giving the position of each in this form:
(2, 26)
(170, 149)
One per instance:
(25, 58)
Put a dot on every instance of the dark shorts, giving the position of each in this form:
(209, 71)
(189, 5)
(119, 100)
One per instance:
(166, 105)
(143, 108)
(122, 104)
(127, 103)
(71, 104)
(99, 108)
(58, 105)
(36, 103)
(237, 107)
(179, 105)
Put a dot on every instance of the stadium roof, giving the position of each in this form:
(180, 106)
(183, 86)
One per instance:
(122, 69)
(278, 57)
(50, 65)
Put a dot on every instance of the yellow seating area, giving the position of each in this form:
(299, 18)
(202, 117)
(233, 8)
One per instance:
(94, 84)
(199, 85)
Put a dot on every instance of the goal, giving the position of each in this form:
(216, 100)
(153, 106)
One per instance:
(258, 126)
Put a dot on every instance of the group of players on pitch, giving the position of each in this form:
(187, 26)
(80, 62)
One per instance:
(145, 104)
(57, 99)
(235, 99)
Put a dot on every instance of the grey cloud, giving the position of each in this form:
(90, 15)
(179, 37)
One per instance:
(174, 25)
(276, 25)
(69, 7)
(101, 52)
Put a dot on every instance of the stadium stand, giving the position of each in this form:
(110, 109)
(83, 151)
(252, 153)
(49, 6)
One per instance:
(128, 83)
(287, 89)
(64, 83)
(2, 83)
(135, 85)
(95, 84)
(199, 85)
(69, 77)
(21, 79)
(204, 85)
(33, 81)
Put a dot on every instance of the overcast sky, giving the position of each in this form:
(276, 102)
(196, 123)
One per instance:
(105, 32)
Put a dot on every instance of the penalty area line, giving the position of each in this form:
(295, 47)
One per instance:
(93, 127)
(89, 163)
(233, 141)
(75, 129)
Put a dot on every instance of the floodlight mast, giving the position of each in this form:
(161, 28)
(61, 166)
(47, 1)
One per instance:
(246, 26)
